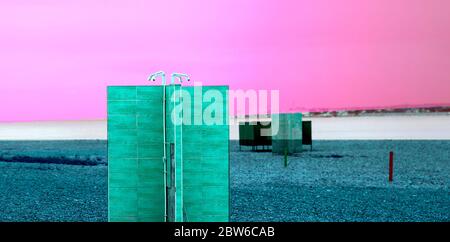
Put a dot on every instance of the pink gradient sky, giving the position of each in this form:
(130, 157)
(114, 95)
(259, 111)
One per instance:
(57, 57)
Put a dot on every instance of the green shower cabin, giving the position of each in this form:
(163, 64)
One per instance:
(287, 133)
(168, 154)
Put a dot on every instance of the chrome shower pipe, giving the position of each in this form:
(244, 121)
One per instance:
(153, 77)
(180, 77)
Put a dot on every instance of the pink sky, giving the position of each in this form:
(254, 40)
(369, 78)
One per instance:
(57, 57)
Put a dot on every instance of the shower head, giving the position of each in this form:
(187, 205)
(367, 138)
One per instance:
(180, 77)
(153, 76)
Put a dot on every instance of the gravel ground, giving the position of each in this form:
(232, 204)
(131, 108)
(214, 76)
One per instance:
(344, 181)
(53, 192)
(337, 181)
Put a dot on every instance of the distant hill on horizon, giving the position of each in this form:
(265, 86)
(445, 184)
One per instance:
(441, 109)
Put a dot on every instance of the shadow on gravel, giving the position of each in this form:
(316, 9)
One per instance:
(75, 160)
(333, 156)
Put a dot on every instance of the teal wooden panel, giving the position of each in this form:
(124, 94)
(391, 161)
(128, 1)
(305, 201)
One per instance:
(148, 93)
(122, 121)
(135, 150)
(121, 137)
(122, 107)
(122, 93)
(149, 108)
(174, 136)
(123, 151)
(206, 163)
(123, 165)
(122, 202)
(123, 180)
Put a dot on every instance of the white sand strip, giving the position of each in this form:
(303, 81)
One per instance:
(402, 127)
(61, 130)
(340, 128)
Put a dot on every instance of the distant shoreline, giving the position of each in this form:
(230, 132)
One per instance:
(441, 110)
(405, 126)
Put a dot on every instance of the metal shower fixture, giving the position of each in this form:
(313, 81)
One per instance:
(180, 77)
(153, 76)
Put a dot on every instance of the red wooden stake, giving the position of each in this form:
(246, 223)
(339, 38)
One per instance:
(391, 166)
